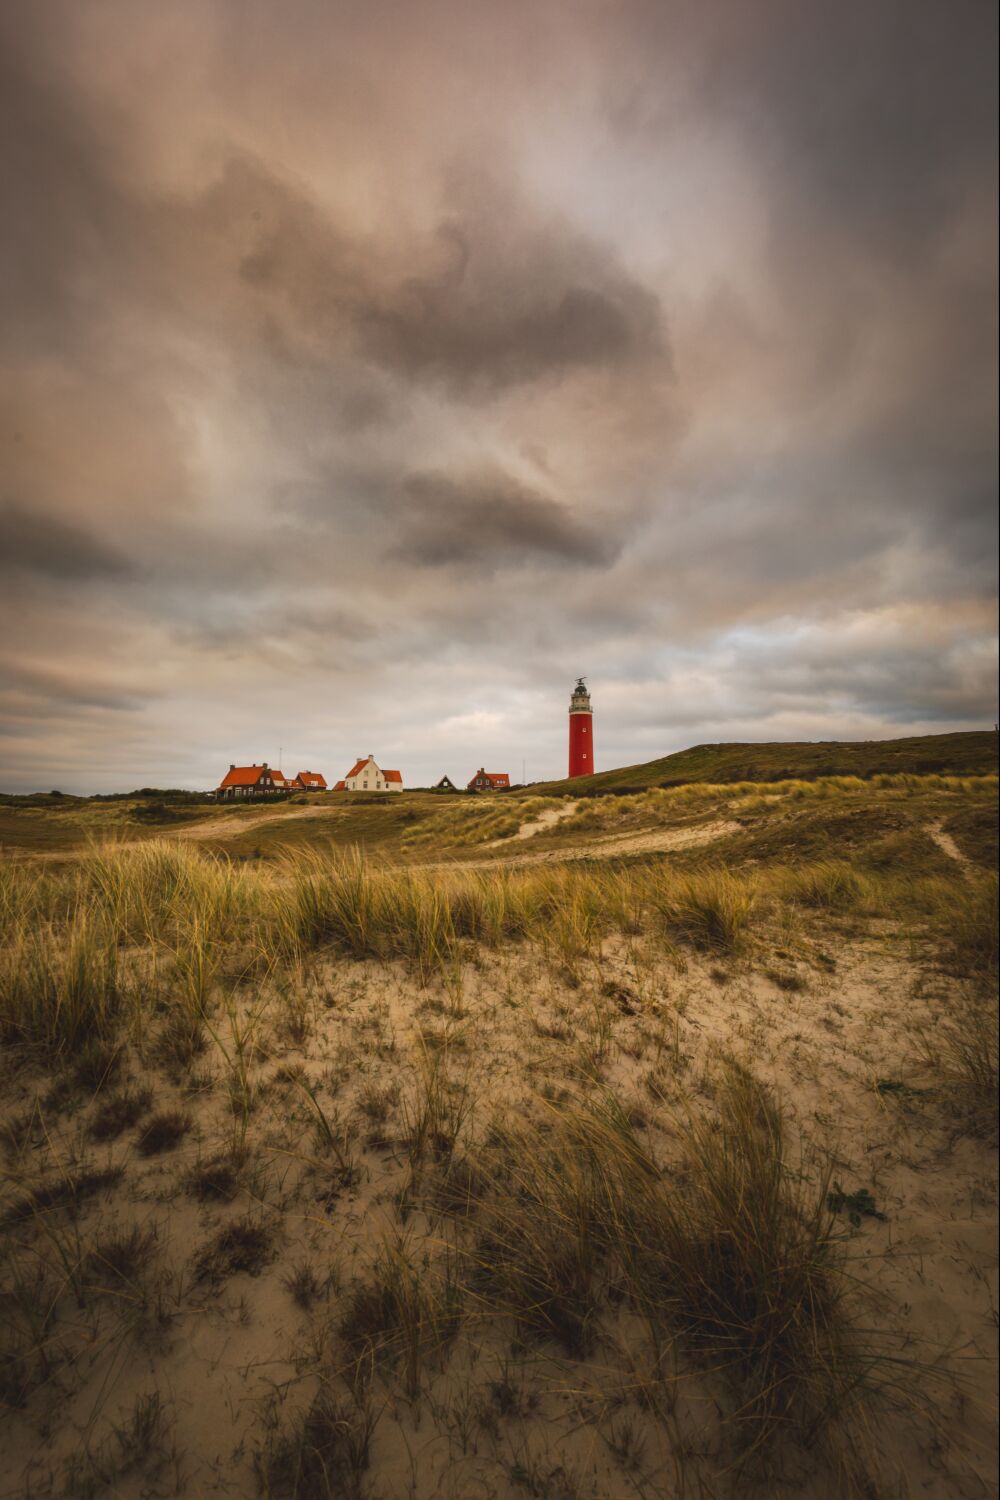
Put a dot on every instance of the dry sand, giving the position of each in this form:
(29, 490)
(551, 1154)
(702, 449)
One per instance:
(231, 1360)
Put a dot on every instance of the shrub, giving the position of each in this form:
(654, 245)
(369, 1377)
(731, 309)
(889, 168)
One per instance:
(58, 991)
(120, 1111)
(829, 885)
(322, 1456)
(163, 1132)
(711, 909)
(732, 1250)
(960, 1053)
(400, 1314)
(966, 926)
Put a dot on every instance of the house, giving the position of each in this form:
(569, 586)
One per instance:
(250, 781)
(444, 785)
(310, 781)
(366, 776)
(489, 781)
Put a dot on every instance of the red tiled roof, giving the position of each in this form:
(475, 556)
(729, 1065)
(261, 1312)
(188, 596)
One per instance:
(495, 778)
(341, 786)
(311, 778)
(392, 776)
(357, 767)
(242, 776)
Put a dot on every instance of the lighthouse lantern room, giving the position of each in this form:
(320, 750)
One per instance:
(581, 731)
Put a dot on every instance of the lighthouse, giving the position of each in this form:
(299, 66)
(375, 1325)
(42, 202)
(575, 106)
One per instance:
(581, 731)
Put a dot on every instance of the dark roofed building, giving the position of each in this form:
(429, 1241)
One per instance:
(250, 781)
(489, 781)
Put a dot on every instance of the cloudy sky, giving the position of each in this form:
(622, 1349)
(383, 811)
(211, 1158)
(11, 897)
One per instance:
(371, 370)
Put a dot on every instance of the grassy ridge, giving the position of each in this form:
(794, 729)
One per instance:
(969, 754)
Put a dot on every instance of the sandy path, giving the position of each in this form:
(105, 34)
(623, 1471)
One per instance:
(606, 848)
(227, 827)
(610, 847)
(947, 845)
(218, 827)
(547, 819)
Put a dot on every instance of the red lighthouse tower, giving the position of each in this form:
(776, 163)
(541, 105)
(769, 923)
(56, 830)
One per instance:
(581, 732)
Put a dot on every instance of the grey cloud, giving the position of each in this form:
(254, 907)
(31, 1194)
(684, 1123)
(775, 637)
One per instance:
(51, 548)
(876, 117)
(510, 313)
(496, 296)
(487, 520)
(51, 691)
(882, 111)
(56, 193)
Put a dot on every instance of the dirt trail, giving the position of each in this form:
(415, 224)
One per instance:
(219, 827)
(609, 847)
(228, 827)
(947, 845)
(547, 819)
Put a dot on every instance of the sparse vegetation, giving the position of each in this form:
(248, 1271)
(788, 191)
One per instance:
(163, 1132)
(401, 1314)
(322, 1456)
(477, 1129)
(118, 1259)
(958, 1050)
(119, 1112)
(244, 1245)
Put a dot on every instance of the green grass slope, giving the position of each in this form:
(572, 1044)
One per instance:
(969, 754)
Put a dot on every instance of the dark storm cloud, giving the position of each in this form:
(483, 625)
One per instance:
(505, 312)
(495, 296)
(44, 545)
(485, 520)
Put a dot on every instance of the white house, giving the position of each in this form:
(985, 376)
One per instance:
(366, 776)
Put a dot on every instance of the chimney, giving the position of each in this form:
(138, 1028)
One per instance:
(231, 766)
